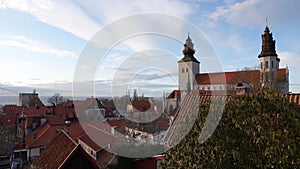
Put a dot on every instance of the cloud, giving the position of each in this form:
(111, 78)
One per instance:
(35, 46)
(109, 11)
(252, 13)
(64, 15)
(289, 58)
(85, 18)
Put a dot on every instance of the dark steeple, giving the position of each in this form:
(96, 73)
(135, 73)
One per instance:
(188, 51)
(268, 44)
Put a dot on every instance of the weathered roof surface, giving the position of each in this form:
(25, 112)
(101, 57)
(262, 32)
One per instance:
(228, 77)
(98, 136)
(174, 94)
(294, 98)
(189, 105)
(63, 152)
(141, 105)
(56, 153)
(45, 134)
(148, 163)
(248, 76)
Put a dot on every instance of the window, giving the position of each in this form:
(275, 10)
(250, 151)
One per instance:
(182, 70)
(261, 65)
(186, 70)
(267, 64)
(203, 88)
(41, 150)
(220, 87)
(272, 64)
(208, 88)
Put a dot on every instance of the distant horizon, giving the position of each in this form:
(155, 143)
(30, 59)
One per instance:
(41, 50)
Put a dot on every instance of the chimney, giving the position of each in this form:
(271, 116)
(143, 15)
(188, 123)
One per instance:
(53, 109)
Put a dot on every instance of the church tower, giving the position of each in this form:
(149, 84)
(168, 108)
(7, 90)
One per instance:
(188, 67)
(269, 62)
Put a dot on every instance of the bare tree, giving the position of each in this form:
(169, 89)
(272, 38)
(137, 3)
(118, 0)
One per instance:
(56, 100)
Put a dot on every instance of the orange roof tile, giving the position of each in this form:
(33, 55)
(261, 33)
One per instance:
(44, 135)
(63, 152)
(228, 77)
(248, 76)
(174, 94)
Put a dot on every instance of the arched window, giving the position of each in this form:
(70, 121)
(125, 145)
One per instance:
(182, 70)
(186, 70)
(267, 64)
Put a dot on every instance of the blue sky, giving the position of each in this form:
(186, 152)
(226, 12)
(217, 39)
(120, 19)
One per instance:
(41, 40)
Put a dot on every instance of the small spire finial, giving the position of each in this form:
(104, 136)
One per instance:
(267, 21)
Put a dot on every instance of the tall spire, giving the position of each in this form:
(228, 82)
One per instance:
(268, 44)
(188, 51)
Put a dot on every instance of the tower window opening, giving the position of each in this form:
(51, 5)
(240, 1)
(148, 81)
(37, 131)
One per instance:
(267, 64)
(186, 70)
(182, 70)
(272, 64)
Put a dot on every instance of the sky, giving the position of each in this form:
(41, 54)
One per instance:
(42, 41)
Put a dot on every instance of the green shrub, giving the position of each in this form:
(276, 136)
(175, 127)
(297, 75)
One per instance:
(260, 130)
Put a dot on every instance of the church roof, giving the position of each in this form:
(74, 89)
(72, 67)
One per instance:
(247, 76)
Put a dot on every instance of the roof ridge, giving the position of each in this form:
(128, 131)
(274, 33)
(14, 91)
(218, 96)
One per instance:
(70, 154)
(63, 130)
(90, 125)
(48, 126)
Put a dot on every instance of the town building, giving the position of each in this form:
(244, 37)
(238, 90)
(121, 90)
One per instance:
(30, 99)
(269, 75)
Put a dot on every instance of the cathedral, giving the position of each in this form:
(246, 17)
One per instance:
(269, 75)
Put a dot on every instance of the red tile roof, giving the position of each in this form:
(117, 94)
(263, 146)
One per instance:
(248, 76)
(56, 153)
(190, 103)
(63, 152)
(41, 137)
(148, 163)
(228, 77)
(141, 105)
(45, 134)
(98, 136)
(174, 94)
(294, 98)
(8, 119)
